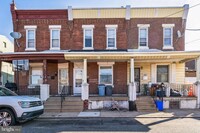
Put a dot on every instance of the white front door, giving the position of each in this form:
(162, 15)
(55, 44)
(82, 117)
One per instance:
(62, 79)
(78, 78)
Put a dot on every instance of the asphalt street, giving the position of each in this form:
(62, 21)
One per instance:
(153, 125)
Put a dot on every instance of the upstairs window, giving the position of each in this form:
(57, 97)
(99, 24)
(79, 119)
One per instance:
(168, 36)
(55, 37)
(111, 36)
(143, 35)
(88, 36)
(30, 37)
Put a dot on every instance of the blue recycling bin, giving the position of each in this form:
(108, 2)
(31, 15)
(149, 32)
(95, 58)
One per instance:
(159, 105)
(101, 88)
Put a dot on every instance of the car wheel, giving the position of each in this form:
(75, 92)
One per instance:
(7, 118)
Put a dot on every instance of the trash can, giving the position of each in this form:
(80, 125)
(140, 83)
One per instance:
(109, 90)
(159, 105)
(101, 88)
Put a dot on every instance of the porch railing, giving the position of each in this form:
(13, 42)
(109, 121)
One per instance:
(27, 90)
(64, 92)
(171, 89)
(183, 89)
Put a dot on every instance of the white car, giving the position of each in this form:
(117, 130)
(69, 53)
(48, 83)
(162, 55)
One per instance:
(14, 108)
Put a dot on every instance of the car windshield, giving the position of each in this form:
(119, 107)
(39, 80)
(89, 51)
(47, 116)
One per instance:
(6, 92)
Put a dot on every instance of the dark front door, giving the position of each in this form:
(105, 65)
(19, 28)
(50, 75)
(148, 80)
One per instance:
(137, 79)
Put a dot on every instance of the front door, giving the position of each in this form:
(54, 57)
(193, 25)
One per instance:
(78, 76)
(62, 79)
(137, 79)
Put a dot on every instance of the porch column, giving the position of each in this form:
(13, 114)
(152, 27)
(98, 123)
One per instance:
(198, 69)
(85, 85)
(198, 81)
(132, 71)
(44, 71)
(0, 72)
(132, 88)
(173, 73)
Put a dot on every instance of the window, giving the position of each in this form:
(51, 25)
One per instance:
(88, 36)
(30, 37)
(106, 75)
(163, 73)
(36, 76)
(143, 35)
(168, 36)
(55, 37)
(111, 36)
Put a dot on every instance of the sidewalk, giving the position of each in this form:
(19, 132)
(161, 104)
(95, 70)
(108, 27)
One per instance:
(186, 113)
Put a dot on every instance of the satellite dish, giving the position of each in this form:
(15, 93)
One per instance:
(178, 33)
(15, 35)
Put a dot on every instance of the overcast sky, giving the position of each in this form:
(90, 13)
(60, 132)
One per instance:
(193, 22)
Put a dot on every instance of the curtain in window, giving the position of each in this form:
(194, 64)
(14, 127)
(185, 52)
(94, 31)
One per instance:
(167, 37)
(55, 38)
(111, 38)
(106, 75)
(31, 38)
(162, 73)
(88, 38)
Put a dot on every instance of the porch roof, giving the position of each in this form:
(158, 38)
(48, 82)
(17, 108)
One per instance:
(139, 56)
(158, 56)
(50, 55)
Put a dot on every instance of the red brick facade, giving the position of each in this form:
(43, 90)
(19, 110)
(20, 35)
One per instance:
(71, 38)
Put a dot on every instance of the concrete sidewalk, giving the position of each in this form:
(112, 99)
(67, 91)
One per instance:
(186, 113)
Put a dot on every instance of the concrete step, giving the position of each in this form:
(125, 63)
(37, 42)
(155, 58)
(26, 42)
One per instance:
(70, 104)
(145, 104)
(70, 98)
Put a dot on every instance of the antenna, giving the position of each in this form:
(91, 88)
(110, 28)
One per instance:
(16, 35)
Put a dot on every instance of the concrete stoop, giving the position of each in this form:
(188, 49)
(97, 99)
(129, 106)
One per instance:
(145, 104)
(70, 104)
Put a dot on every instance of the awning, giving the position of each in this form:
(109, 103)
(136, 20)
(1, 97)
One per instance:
(161, 56)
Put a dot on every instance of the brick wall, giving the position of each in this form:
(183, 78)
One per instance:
(72, 33)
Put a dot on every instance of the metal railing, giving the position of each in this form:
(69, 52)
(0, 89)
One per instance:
(64, 92)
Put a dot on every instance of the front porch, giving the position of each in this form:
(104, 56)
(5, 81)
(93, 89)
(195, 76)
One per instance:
(80, 73)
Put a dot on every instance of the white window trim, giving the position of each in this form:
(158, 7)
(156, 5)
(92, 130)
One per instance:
(168, 26)
(54, 27)
(143, 26)
(87, 27)
(36, 66)
(27, 28)
(115, 28)
(106, 64)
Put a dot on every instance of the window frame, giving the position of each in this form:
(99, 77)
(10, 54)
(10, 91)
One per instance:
(29, 28)
(168, 73)
(30, 77)
(54, 27)
(111, 27)
(146, 27)
(88, 27)
(104, 64)
(165, 26)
